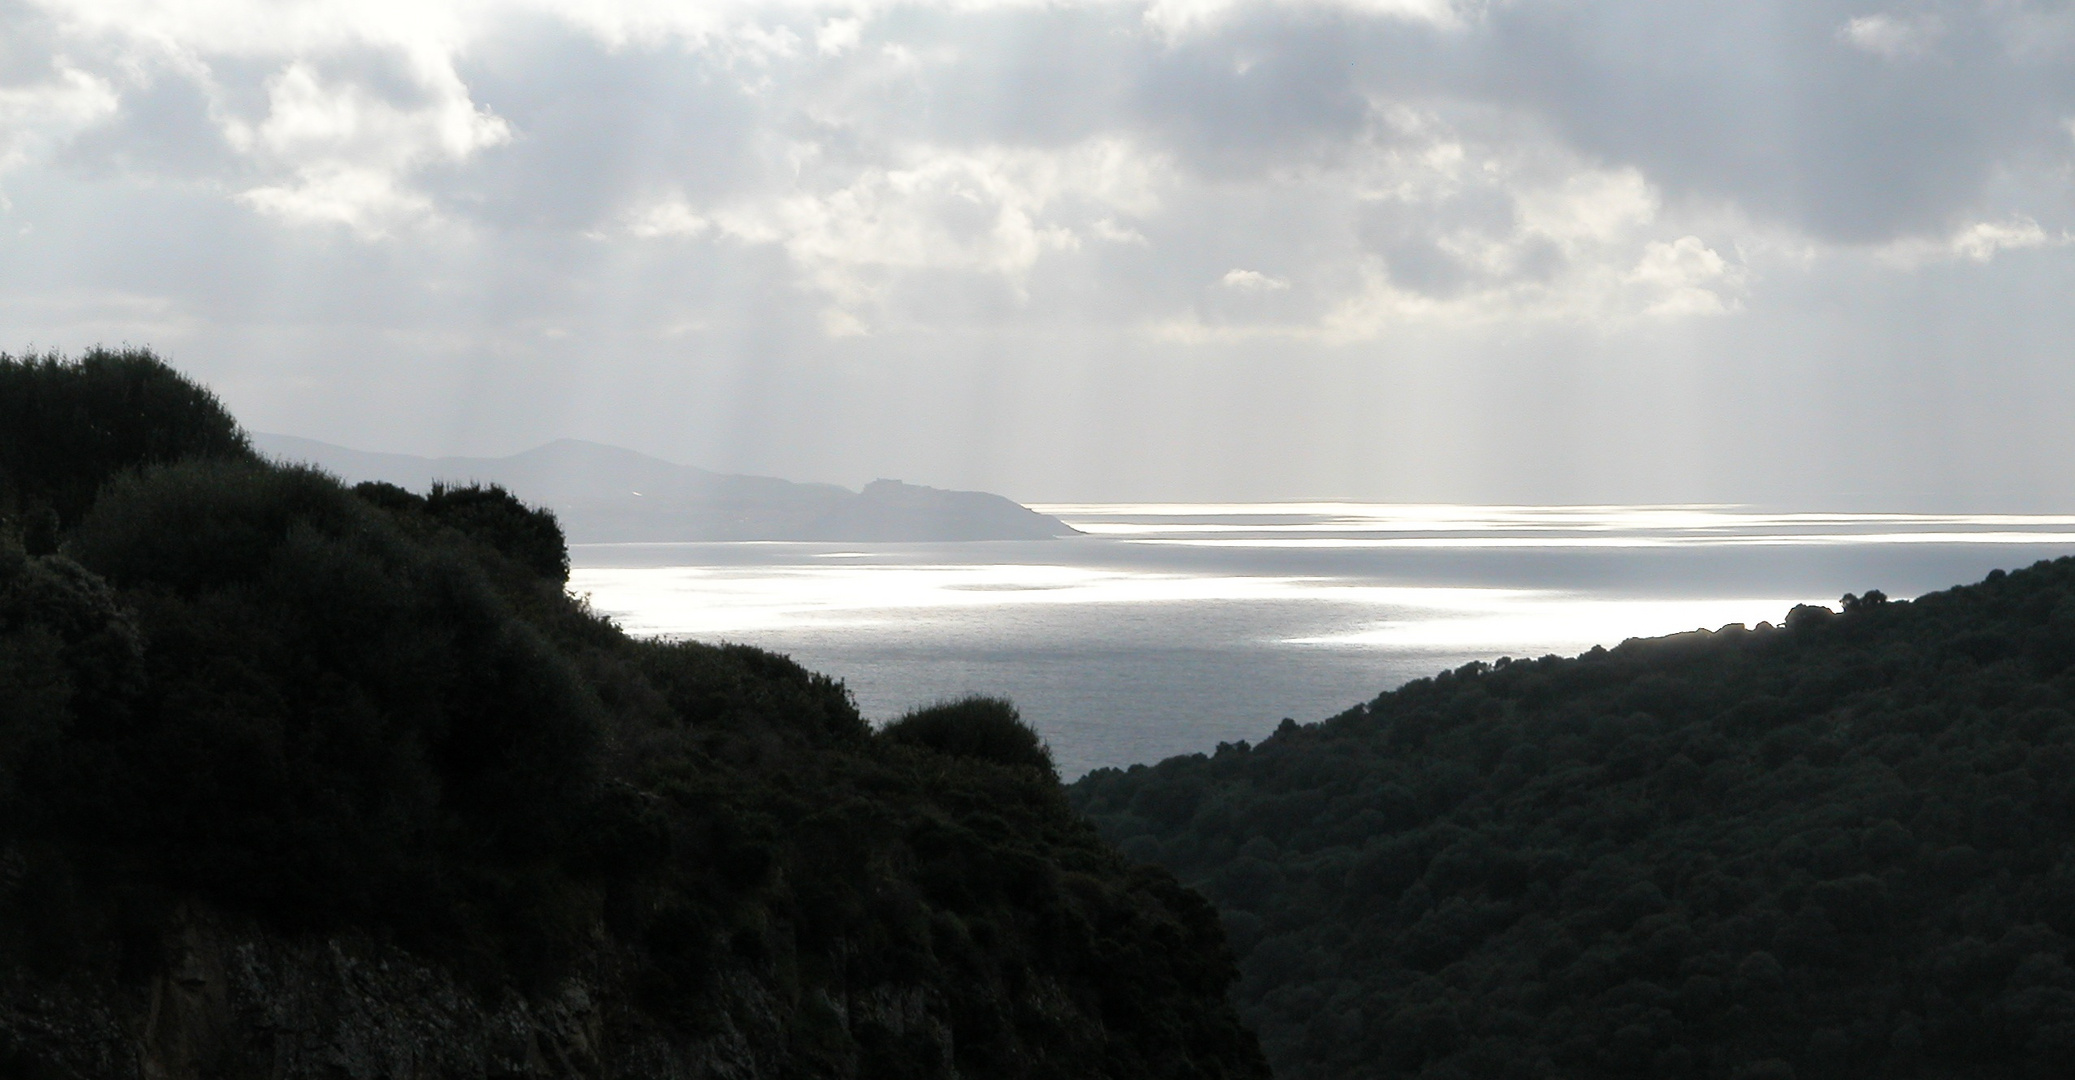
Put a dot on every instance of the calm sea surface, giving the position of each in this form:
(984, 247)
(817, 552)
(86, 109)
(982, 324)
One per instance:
(1169, 628)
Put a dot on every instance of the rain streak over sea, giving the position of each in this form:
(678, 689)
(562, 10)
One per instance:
(1168, 628)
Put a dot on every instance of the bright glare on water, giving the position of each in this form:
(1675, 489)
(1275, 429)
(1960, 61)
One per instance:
(1168, 628)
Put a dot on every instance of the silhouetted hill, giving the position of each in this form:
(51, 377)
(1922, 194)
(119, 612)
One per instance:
(300, 780)
(1843, 847)
(604, 494)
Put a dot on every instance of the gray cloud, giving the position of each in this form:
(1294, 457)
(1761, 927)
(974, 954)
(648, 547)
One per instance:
(1549, 250)
(1763, 105)
(596, 128)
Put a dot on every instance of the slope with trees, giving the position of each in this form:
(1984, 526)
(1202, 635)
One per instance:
(300, 780)
(1840, 847)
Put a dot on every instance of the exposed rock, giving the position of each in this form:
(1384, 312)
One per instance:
(232, 1001)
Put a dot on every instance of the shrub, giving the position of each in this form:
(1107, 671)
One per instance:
(737, 687)
(988, 728)
(529, 536)
(329, 699)
(67, 427)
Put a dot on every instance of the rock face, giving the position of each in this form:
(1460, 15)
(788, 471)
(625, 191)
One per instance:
(240, 1004)
(233, 1001)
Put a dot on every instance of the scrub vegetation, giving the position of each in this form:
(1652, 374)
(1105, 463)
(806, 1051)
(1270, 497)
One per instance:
(1841, 847)
(231, 683)
(977, 727)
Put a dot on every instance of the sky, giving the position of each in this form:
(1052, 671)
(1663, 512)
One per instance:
(1793, 253)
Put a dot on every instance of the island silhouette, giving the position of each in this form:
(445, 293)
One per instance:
(608, 494)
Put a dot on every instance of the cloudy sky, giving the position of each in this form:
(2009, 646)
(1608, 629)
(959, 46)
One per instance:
(1794, 252)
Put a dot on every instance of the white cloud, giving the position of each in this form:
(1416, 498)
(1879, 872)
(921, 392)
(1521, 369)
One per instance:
(368, 201)
(1252, 281)
(1111, 231)
(1478, 235)
(1588, 208)
(1561, 240)
(35, 117)
(348, 153)
(669, 217)
(1982, 240)
(1174, 18)
(1892, 37)
(992, 212)
(330, 148)
(1979, 242)
(1685, 277)
(308, 117)
(838, 36)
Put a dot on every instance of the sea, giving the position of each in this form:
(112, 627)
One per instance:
(1169, 628)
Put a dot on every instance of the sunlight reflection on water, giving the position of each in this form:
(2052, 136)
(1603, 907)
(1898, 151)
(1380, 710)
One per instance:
(1169, 628)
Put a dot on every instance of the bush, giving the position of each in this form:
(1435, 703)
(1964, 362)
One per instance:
(988, 728)
(740, 688)
(528, 536)
(67, 427)
(328, 700)
(68, 655)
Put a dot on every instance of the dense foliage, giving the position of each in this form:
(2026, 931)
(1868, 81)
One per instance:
(527, 535)
(66, 427)
(1842, 847)
(987, 728)
(324, 708)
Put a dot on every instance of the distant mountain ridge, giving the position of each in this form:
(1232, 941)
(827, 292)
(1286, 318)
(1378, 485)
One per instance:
(607, 494)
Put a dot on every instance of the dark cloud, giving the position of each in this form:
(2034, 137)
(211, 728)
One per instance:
(1267, 93)
(1766, 106)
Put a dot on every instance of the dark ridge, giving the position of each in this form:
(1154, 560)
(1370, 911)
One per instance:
(1841, 847)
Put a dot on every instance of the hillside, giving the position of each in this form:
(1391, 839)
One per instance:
(604, 494)
(1839, 847)
(300, 780)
